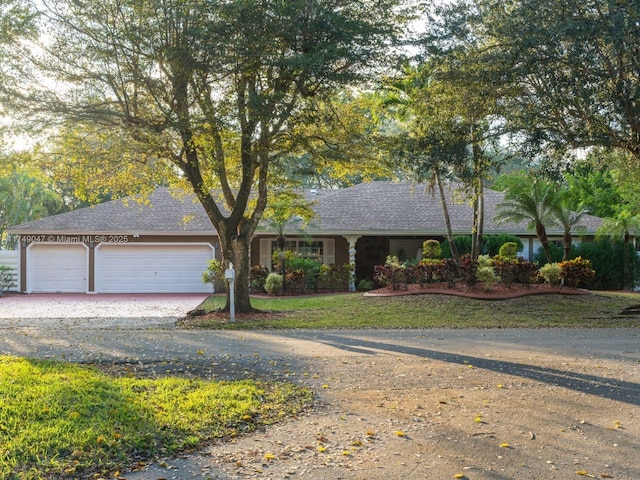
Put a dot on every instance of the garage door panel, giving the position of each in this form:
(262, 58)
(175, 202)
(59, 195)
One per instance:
(57, 268)
(152, 268)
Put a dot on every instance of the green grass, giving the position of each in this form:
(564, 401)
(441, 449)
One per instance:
(61, 420)
(427, 311)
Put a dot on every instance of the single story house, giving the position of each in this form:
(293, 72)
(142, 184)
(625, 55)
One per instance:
(162, 243)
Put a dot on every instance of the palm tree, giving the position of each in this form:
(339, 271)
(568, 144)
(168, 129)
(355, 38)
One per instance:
(529, 199)
(287, 212)
(568, 218)
(427, 147)
(622, 226)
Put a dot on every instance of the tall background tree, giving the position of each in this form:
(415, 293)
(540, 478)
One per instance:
(575, 65)
(26, 194)
(214, 88)
(465, 92)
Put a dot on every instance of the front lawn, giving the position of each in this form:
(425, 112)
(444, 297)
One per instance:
(598, 309)
(60, 420)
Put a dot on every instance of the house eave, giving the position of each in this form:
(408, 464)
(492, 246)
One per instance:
(93, 232)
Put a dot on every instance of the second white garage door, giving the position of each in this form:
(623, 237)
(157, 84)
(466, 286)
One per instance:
(148, 268)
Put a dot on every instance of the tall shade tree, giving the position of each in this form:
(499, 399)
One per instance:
(464, 95)
(532, 200)
(211, 86)
(576, 65)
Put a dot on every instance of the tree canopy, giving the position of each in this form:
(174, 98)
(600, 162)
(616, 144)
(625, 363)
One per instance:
(212, 87)
(574, 66)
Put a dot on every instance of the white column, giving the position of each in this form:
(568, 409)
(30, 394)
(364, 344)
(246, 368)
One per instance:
(352, 239)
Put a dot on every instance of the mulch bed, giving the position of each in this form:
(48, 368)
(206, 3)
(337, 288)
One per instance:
(497, 292)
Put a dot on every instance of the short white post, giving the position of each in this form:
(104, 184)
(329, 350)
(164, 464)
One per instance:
(230, 275)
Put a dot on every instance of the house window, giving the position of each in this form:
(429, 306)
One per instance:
(306, 249)
(319, 249)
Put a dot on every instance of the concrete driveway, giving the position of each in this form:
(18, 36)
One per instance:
(144, 307)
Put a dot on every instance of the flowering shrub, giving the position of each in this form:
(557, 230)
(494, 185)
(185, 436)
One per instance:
(334, 277)
(448, 271)
(509, 251)
(431, 249)
(273, 283)
(257, 276)
(552, 273)
(468, 270)
(488, 276)
(391, 273)
(577, 272)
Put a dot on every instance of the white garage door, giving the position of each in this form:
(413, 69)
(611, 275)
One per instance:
(146, 268)
(57, 268)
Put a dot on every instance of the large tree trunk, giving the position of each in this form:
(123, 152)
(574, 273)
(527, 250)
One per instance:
(447, 218)
(234, 232)
(236, 250)
(478, 221)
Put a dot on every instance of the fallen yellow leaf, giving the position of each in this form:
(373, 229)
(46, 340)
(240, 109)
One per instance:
(458, 475)
(400, 433)
(504, 445)
(346, 453)
(322, 449)
(200, 352)
(269, 456)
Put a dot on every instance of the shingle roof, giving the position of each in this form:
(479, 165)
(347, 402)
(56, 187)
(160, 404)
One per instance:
(368, 208)
(406, 208)
(163, 211)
